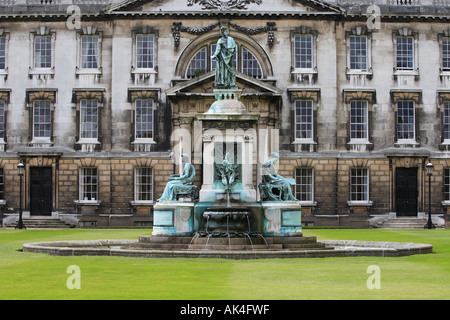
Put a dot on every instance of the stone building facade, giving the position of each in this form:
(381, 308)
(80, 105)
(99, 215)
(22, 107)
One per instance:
(98, 99)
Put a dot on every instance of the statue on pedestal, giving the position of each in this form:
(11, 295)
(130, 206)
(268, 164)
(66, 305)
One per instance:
(275, 187)
(180, 185)
(225, 68)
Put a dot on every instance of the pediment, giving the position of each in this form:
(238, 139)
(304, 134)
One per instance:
(204, 85)
(218, 6)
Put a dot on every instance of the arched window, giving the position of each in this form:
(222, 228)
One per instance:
(244, 60)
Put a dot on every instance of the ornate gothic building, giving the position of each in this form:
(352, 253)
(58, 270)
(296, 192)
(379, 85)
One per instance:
(98, 99)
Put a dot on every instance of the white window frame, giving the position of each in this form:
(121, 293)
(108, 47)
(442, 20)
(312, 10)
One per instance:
(138, 183)
(446, 122)
(310, 123)
(84, 104)
(445, 44)
(300, 54)
(355, 196)
(364, 106)
(251, 59)
(41, 139)
(5, 35)
(352, 50)
(310, 193)
(85, 194)
(406, 33)
(39, 71)
(446, 183)
(136, 68)
(82, 34)
(190, 70)
(144, 139)
(409, 139)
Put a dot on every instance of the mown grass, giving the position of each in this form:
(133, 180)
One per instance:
(41, 276)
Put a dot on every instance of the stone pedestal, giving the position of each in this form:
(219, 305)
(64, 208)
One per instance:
(173, 218)
(282, 218)
(228, 122)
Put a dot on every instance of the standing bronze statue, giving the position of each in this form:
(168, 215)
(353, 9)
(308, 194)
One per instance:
(225, 68)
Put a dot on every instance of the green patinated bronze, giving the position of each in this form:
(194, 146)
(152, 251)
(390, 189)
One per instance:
(225, 68)
(275, 187)
(180, 185)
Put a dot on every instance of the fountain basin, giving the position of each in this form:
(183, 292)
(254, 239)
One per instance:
(128, 248)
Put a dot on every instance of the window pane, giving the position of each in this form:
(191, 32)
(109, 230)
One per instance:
(144, 119)
(43, 52)
(447, 184)
(250, 65)
(144, 184)
(89, 52)
(446, 53)
(304, 184)
(2, 53)
(358, 120)
(405, 53)
(358, 52)
(89, 119)
(303, 119)
(446, 120)
(303, 51)
(144, 50)
(405, 120)
(41, 119)
(198, 64)
(89, 184)
(359, 184)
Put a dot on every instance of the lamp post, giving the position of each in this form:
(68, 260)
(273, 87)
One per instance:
(20, 172)
(429, 167)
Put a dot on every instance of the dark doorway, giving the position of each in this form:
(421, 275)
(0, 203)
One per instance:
(40, 191)
(406, 191)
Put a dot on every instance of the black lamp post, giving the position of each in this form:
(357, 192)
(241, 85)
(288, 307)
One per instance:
(20, 172)
(429, 167)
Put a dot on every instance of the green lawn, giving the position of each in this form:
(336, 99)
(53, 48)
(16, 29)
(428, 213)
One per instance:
(41, 276)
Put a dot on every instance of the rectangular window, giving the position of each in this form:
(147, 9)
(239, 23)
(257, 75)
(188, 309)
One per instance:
(43, 52)
(447, 184)
(89, 52)
(358, 120)
(303, 119)
(405, 120)
(2, 119)
(358, 53)
(304, 188)
(145, 51)
(143, 184)
(88, 184)
(303, 51)
(42, 120)
(405, 53)
(446, 120)
(144, 119)
(2, 53)
(359, 184)
(89, 119)
(446, 53)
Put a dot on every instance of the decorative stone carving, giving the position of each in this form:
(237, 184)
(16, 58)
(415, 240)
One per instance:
(223, 4)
